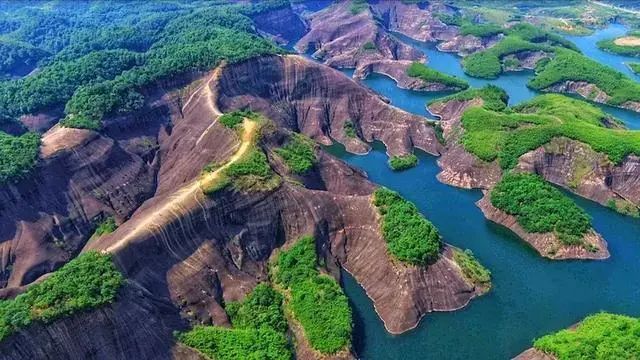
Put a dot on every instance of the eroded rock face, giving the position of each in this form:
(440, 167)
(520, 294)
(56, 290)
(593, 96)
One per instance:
(459, 167)
(464, 45)
(534, 354)
(416, 21)
(46, 218)
(547, 244)
(397, 70)
(578, 168)
(591, 92)
(342, 39)
(525, 60)
(137, 325)
(282, 25)
(317, 101)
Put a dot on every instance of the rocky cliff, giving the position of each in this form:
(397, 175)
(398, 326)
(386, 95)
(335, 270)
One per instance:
(591, 92)
(418, 21)
(283, 25)
(304, 96)
(533, 354)
(397, 70)
(464, 45)
(547, 244)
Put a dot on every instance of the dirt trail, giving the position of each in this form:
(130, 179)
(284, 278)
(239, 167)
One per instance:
(188, 196)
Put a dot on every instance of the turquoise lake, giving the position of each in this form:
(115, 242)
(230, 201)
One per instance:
(531, 296)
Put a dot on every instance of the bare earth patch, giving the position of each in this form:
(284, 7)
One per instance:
(627, 41)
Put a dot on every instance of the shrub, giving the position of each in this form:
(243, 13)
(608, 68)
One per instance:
(403, 162)
(86, 282)
(480, 30)
(471, 268)
(298, 153)
(428, 75)
(493, 97)
(540, 208)
(410, 237)
(358, 6)
(232, 344)
(349, 129)
(18, 155)
(107, 226)
(599, 337)
(317, 301)
(369, 46)
(252, 173)
(80, 122)
(506, 136)
(610, 46)
(571, 66)
(231, 120)
(635, 67)
(262, 307)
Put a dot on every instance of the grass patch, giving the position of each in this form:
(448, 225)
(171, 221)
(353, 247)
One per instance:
(403, 162)
(77, 121)
(493, 97)
(480, 30)
(18, 155)
(410, 237)
(368, 46)
(250, 173)
(349, 129)
(610, 46)
(235, 118)
(599, 337)
(298, 153)
(317, 301)
(487, 63)
(540, 208)
(106, 226)
(471, 267)
(86, 282)
(571, 66)
(429, 75)
(358, 6)
(259, 330)
(623, 207)
(635, 67)
(507, 135)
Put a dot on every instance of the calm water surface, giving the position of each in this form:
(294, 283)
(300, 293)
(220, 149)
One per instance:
(531, 296)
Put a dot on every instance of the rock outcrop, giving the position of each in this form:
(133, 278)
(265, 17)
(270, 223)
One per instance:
(524, 60)
(578, 168)
(417, 21)
(464, 45)
(590, 92)
(137, 325)
(459, 167)
(534, 354)
(282, 25)
(397, 70)
(317, 101)
(341, 39)
(547, 244)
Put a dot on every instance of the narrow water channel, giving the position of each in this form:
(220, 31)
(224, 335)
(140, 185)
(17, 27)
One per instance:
(531, 295)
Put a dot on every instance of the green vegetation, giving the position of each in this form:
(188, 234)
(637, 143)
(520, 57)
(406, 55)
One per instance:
(540, 208)
(350, 129)
(598, 337)
(259, 330)
(298, 153)
(480, 30)
(410, 237)
(18, 58)
(106, 226)
(317, 301)
(610, 46)
(450, 19)
(493, 97)
(535, 34)
(369, 46)
(18, 155)
(486, 64)
(80, 122)
(471, 267)
(403, 162)
(231, 344)
(429, 75)
(635, 67)
(88, 281)
(358, 6)
(251, 173)
(571, 66)
(235, 118)
(624, 207)
(507, 135)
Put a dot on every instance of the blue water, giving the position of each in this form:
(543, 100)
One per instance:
(531, 296)
(587, 44)
(514, 82)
